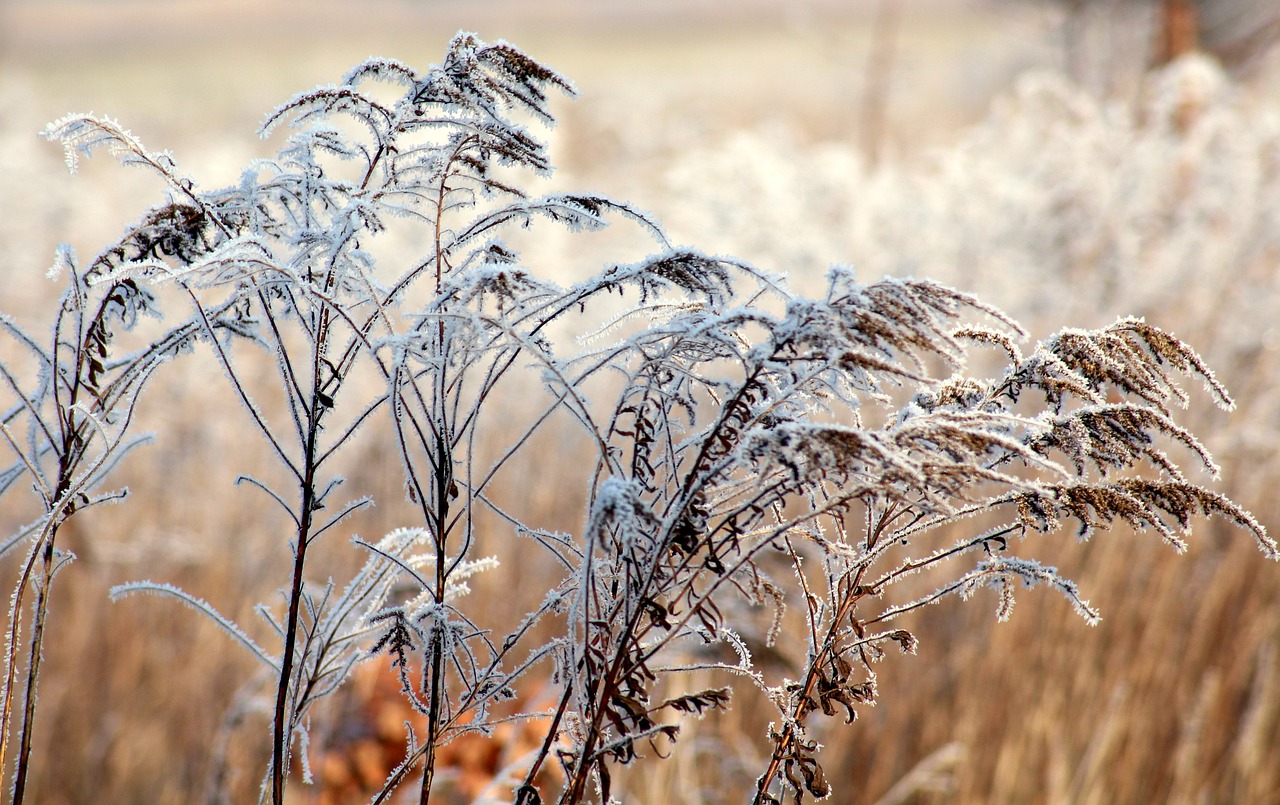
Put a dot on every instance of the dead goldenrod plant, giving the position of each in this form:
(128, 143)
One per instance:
(755, 461)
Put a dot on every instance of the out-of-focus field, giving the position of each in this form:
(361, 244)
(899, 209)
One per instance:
(742, 127)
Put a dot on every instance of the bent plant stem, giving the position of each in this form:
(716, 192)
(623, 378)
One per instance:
(72, 447)
(36, 652)
(11, 656)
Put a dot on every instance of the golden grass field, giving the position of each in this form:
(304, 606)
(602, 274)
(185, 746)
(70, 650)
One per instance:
(741, 131)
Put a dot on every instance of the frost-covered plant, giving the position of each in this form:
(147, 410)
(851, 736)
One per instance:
(743, 452)
(69, 413)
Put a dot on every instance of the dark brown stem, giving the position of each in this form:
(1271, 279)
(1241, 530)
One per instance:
(35, 655)
(433, 726)
(548, 740)
(72, 444)
(443, 485)
(812, 677)
(283, 719)
(435, 702)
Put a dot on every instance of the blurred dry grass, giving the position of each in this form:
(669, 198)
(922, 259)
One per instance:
(1175, 697)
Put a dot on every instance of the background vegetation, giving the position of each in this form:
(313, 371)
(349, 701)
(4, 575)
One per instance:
(1153, 195)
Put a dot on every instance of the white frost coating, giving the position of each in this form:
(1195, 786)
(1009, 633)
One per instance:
(200, 605)
(739, 451)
